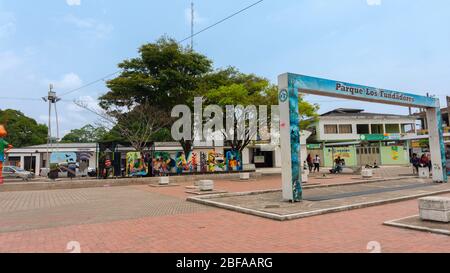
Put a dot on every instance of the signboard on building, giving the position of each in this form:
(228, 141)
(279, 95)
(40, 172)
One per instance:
(380, 137)
(318, 86)
(314, 146)
(259, 159)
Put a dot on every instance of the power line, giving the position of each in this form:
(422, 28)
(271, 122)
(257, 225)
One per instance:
(12, 98)
(91, 83)
(118, 71)
(221, 21)
(181, 41)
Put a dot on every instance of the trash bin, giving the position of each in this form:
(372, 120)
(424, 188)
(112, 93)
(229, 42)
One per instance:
(367, 173)
(424, 172)
(53, 174)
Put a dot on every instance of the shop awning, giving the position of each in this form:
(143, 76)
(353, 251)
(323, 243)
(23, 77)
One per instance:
(342, 144)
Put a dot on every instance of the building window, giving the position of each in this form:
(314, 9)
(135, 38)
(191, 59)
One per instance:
(345, 129)
(408, 128)
(331, 129)
(393, 128)
(362, 129)
(13, 161)
(377, 129)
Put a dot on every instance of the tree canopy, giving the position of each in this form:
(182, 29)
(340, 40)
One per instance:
(86, 134)
(165, 74)
(22, 130)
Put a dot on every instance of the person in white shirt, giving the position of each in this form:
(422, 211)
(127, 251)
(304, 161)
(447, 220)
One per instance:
(316, 162)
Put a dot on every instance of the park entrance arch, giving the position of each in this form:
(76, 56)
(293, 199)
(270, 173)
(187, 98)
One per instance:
(290, 85)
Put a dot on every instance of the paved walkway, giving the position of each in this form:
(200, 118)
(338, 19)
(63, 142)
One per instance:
(326, 199)
(147, 219)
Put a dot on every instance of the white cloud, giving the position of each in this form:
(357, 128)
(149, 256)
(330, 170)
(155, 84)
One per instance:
(373, 2)
(73, 2)
(66, 82)
(9, 61)
(197, 18)
(86, 100)
(92, 26)
(7, 24)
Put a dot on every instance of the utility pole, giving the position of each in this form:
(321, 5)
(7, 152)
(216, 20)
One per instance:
(192, 25)
(51, 99)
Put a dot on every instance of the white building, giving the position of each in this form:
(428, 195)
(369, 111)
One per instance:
(35, 157)
(362, 138)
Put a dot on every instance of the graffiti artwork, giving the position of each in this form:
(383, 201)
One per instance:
(216, 162)
(136, 165)
(233, 161)
(164, 163)
(394, 153)
(188, 164)
(62, 160)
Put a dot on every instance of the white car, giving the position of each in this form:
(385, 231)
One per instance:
(16, 172)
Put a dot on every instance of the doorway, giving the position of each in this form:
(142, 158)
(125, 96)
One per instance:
(368, 154)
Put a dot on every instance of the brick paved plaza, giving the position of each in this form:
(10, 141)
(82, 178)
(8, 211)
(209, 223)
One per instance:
(151, 219)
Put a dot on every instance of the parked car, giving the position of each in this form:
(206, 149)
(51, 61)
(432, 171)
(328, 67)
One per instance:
(16, 172)
(91, 172)
(62, 173)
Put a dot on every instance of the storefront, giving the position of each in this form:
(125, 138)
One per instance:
(262, 158)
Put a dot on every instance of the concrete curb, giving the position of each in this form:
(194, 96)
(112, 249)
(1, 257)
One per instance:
(232, 194)
(98, 183)
(205, 200)
(393, 223)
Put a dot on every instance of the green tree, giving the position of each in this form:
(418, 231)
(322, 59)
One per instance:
(86, 134)
(22, 130)
(236, 88)
(164, 75)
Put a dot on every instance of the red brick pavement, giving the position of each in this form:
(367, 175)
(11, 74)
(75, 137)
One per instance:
(224, 231)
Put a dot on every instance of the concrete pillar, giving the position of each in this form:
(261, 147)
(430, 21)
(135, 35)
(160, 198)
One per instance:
(290, 139)
(38, 164)
(278, 157)
(246, 156)
(437, 146)
(22, 162)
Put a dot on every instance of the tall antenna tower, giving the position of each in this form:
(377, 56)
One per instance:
(192, 25)
(51, 99)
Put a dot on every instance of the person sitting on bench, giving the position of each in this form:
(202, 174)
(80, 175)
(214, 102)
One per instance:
(339, 165)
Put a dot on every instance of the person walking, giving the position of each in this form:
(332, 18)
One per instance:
(310, 163)
(424, 161)
(72, 170)
(415, 161)
(316, 162)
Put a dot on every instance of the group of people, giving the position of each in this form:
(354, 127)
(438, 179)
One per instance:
(339, 164)
(313, 164)
(423, 162)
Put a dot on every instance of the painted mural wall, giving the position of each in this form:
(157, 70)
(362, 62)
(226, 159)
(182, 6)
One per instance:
(394, 155)
(58, 160)
(347, 153)
(136, 165)
(164, 163)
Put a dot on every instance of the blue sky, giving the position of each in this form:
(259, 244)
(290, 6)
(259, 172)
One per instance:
(394, 44)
